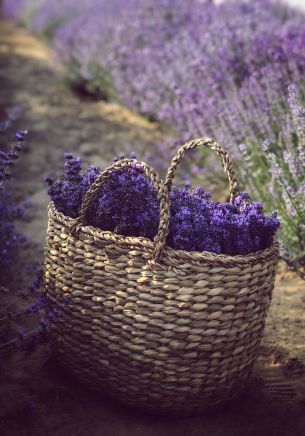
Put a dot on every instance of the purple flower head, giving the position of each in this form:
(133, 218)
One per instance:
(20, 136)
(68, 155)
(127, 204)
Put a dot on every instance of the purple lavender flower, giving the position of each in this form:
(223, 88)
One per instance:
(127, 204)
(10, 239)
(20, 136)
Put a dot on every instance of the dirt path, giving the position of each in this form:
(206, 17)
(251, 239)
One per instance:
(37, 397)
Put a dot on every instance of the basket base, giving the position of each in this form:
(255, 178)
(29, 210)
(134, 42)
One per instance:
(145, 407)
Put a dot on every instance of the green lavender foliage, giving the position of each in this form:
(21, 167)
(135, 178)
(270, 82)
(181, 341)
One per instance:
(274, 171)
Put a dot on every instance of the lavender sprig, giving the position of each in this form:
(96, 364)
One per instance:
(10, 212)
(8, 158)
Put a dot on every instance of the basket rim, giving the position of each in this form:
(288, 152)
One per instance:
(270, 253)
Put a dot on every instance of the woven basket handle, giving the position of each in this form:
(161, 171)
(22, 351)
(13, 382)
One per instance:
(161, 236)
(162, 189)
(93, 190)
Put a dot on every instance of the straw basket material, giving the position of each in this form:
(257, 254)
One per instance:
(161, 329)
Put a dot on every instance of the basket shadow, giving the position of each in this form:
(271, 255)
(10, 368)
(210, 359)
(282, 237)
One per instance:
(252, 413)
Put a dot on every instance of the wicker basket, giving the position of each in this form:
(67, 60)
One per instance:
(161, 329)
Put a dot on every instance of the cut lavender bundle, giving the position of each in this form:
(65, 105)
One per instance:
(127, 204)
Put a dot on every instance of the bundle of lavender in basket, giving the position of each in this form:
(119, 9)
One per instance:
(127, 204)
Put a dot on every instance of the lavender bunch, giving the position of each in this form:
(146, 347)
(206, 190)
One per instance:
(127, 204)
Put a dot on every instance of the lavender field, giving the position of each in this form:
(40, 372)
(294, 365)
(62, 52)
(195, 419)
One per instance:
(88, 83)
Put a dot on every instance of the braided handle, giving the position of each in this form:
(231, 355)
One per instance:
(162, 189)
(161, 236)
(93, 190)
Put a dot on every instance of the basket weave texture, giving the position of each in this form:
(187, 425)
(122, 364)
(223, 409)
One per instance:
(161, 329)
